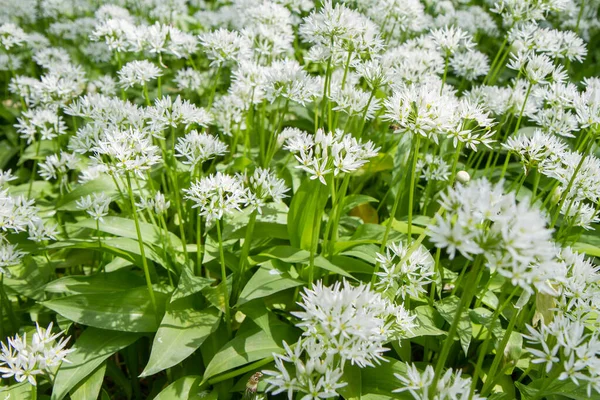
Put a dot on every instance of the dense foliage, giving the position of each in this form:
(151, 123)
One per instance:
(367, 199)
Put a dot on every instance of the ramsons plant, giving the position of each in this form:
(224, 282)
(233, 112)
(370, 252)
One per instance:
(264, 199)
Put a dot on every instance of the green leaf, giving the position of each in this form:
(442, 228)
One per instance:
(98, 283)
(181, 332)
(182, 389)
(90, 387)
(381, 380)
(91, 349)
(353, 389)
(428, 321)
(125, 227)
(402, 227)
(587, 248)
(305, 212)
(266, 281)
(252, 345)
(293, 255)
(128, 311)
(355, 200)
(20, 391)
(447, 308)
(100, 185)
(189, 284)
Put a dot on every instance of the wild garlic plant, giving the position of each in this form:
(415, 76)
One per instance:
(296, 199)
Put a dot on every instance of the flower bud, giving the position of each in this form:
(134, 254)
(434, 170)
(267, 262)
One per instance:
(463, 177)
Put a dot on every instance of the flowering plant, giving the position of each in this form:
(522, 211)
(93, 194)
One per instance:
(264, 199)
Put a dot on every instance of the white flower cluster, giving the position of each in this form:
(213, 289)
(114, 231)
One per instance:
(195, 148)
(25, 360)
(95, 205)
(217, 195)
(341, 324)
(480, 219)
(564, 344)
(451, 385)
(264, 185)
(403, 274)
(323, 153)
(551, 157)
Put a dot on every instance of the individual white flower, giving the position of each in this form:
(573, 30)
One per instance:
(217, 195)
(5, 177)
(157, 205)
(138, 73)
(196, 148)
(96, 205)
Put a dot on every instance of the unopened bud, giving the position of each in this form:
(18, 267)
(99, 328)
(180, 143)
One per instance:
(556, 195)
(463, 177)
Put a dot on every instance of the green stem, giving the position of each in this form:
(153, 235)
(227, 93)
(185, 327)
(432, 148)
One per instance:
(146, 96)
(411, 192)
(484, 346)
(142, 247)
(338, 213)
(244, 254)
(499, 354)
(33, 170)
(224, 279)
(465, 300)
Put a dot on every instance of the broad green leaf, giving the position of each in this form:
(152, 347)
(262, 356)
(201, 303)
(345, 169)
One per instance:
(428, 322)
(293, 255)
(125, 248)
(353, 389)
(305, 212)
(253, 345)
(182, 331)
(125, 227)
(128, 311)
(354, 200)
(97, 283)
(587, 248)
(89, 388)
(91, 349)
(189, 284)
(20, 391)
(265, 282)
(381, 380)
(182, 389)
(447, 308)
(100, 185)
(402, 227)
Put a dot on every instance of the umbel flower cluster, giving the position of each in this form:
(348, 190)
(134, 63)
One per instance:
(42, 355)
(300, 199)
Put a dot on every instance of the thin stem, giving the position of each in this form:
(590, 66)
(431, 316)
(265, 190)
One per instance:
(245, 252)
(499, 354)
(142, 247)
(224, 279)
(484, 346)
(33, 170)
(465, 300)
(411, 192)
